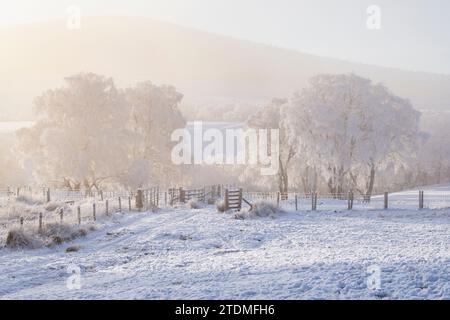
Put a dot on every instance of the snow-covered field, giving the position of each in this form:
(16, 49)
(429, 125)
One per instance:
(201, 254)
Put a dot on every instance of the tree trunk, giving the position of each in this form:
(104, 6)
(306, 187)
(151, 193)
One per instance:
(370, 183)
(305, 181)
(332, 182)
(282, 178)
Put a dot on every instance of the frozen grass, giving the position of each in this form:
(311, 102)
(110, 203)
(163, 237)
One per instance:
(17, 210)
(51, 234)
(58, 233)
(52, 206)
(28, 200)
(193, 204)
(54, 232)
(298, 255)
(150, 208)
(19, 238)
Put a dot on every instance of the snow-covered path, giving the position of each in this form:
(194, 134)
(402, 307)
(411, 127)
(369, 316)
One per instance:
(200, 254)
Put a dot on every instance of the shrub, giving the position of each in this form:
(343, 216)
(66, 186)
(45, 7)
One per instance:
(73, 249)
(221, 206)
(260, 209)
(18, 238)
(58, 233)
(51, 234)
(193, 204)
(28, 200)
(150, 208)
(52, 206)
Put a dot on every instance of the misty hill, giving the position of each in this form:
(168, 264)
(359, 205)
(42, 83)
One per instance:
(203, 66)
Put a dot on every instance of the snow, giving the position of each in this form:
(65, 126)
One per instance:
(8, 127)
(201, 254)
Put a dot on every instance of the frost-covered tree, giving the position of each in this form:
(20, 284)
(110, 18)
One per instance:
(434, 150)
(79, 137)
(154, 115)
(350, 128)
(236, 112)
(89, 132)
(11, 173)
(271, 117)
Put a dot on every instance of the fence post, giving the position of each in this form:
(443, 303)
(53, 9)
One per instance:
(93, 212)
(107, 207)
(313, 197)
(79, 215)
(386, 200)
(129, 203)
(240, 199)
(182, 195)
(421, 199)
(48, 195)
(165, 198)
(40, 222)
(278, 198)
(61, 215)
(139, 200)
(315, 201)
(296, 202)
(101, 195)
(120, 204)
(350, 200)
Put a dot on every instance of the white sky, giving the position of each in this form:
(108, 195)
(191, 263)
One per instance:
(414, 34)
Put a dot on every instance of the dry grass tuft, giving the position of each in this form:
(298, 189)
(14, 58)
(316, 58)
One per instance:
(260, 209)
(193, 204)
(220, 204)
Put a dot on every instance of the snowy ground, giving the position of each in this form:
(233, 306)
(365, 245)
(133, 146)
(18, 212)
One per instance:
(201, 254)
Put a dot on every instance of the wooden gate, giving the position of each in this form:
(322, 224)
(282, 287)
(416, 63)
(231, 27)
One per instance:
(233, 199)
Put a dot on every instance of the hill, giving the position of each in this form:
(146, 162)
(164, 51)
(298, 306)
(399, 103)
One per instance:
(205, 67)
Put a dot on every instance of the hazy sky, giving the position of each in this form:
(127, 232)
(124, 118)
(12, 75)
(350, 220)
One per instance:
(414, 34)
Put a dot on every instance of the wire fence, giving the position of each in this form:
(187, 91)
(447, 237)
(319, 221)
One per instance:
(408, 200)
(27, 206)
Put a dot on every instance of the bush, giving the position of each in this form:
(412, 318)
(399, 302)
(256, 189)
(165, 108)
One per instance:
(73, 249)
(51, 234)
(58, 233)
(18, 238)
(260, 209)
(28, 200)
(52, 206)
(150, 208)
(220, 204)
(193, 204)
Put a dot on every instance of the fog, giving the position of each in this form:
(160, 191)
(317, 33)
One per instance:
(205, 67)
